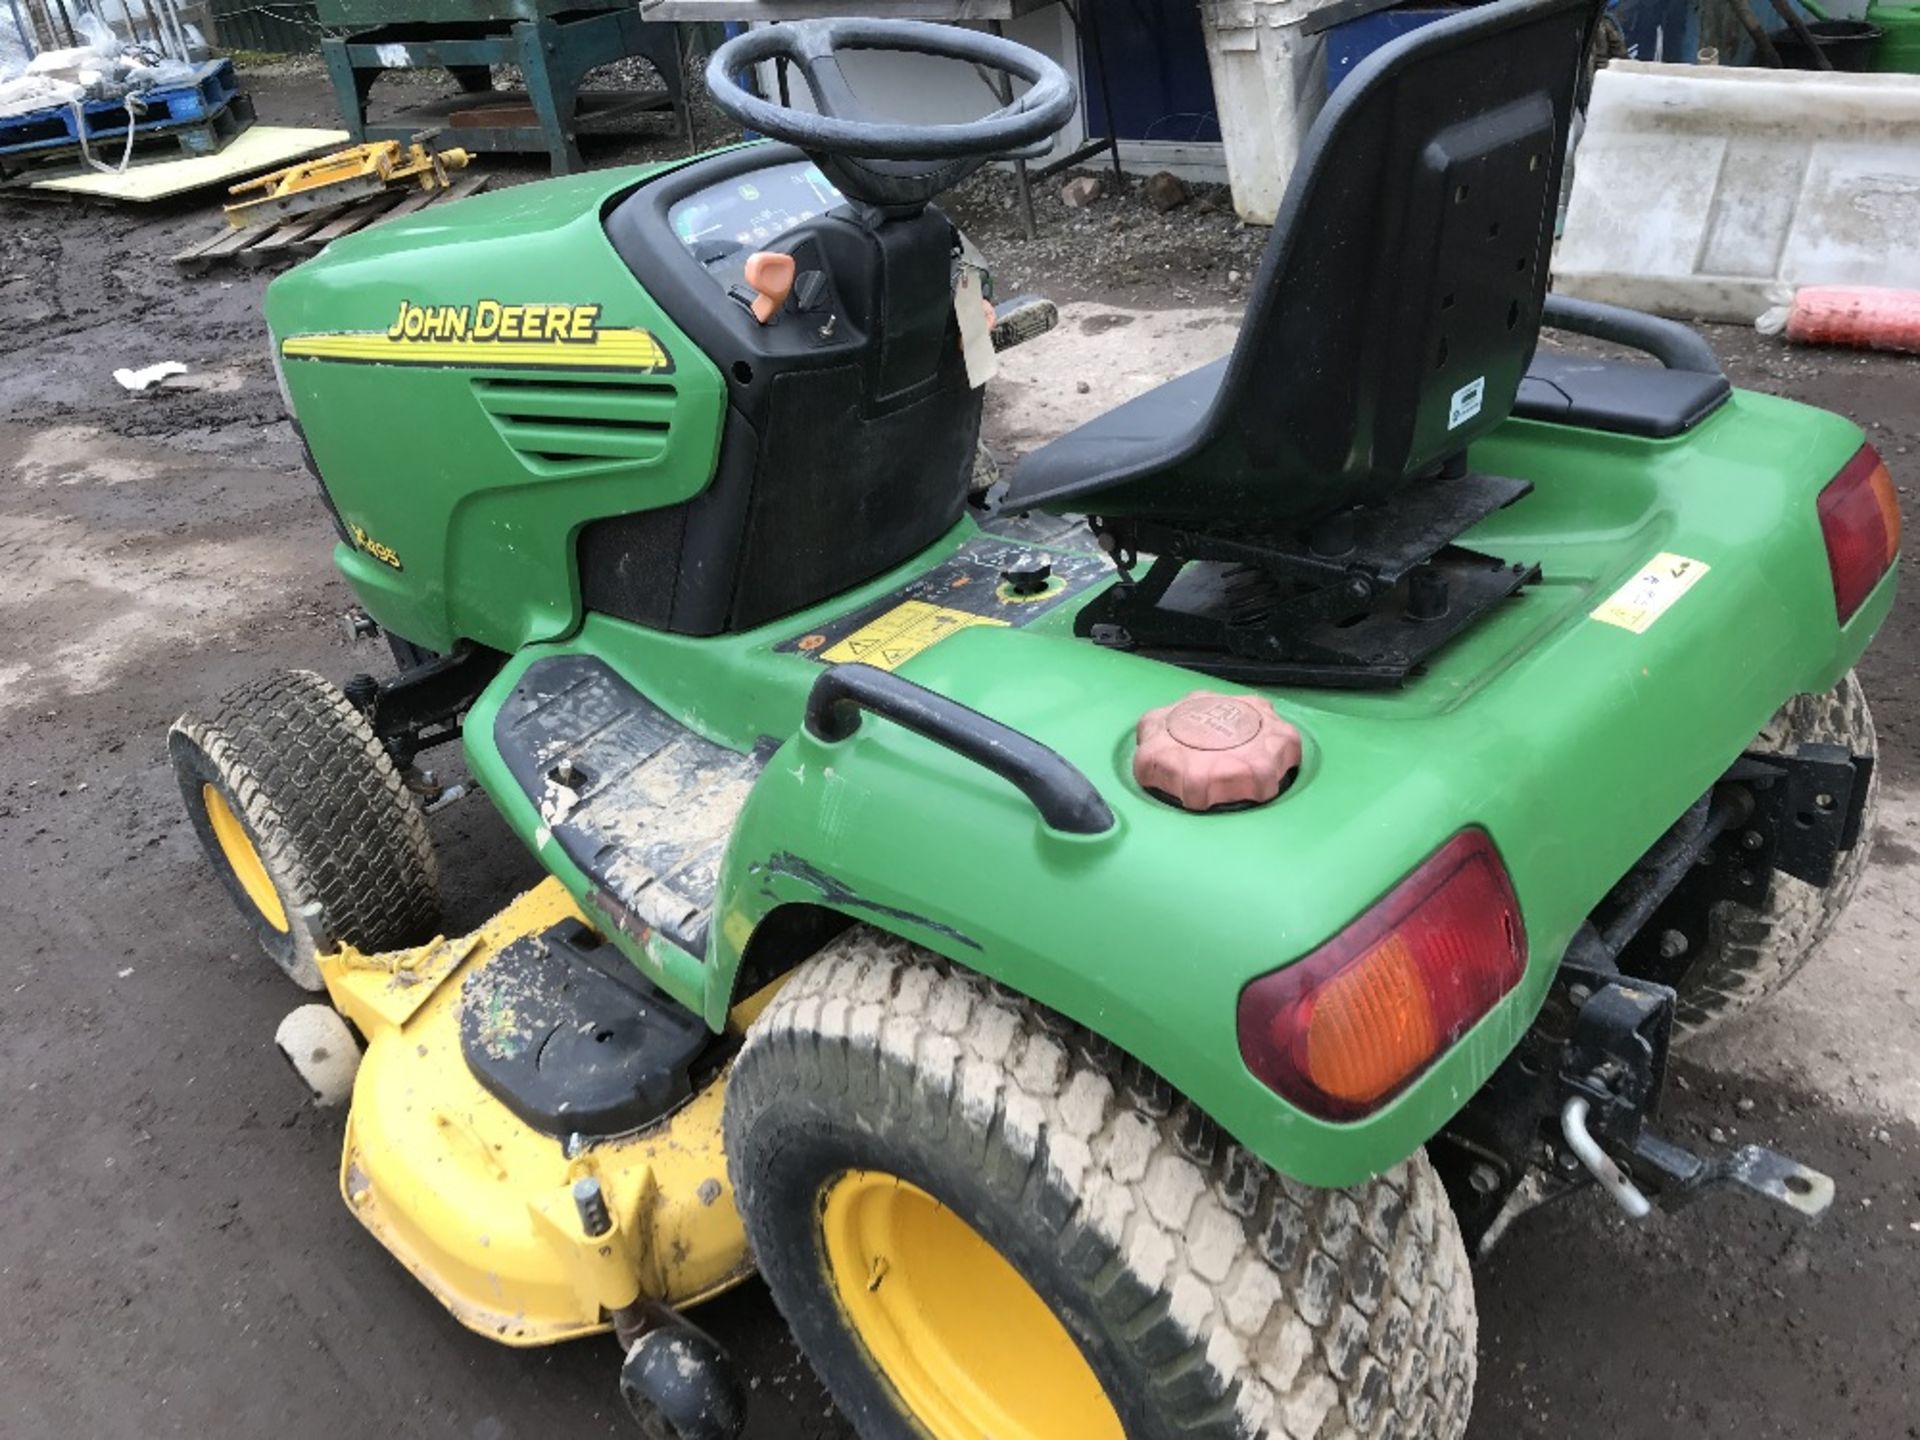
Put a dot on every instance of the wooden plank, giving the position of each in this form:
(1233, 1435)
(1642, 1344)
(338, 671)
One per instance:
(345, 222)
(492, 117)
(205, 247)
(223, 247)
(307, 235)
(459, 190)
(264, 147)
(275, 244)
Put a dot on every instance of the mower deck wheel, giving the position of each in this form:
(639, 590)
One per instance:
(678, 1384)
(1750, 954)
(318, 1043)
(308, 822)
(979, 1219)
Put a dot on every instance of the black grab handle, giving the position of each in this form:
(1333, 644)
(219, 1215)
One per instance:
(1064, 797)
(1676, 346)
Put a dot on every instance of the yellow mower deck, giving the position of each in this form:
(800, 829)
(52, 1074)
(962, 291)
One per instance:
(477, 1204)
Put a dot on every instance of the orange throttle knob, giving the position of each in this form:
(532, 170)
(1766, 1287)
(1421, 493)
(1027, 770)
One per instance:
(1211, 751)
(770, 274)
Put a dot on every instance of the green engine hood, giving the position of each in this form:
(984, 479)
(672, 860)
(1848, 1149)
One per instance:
(474, 384)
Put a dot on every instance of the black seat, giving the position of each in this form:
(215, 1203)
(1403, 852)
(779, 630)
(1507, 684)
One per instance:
(1622, 396)
(1397, 305)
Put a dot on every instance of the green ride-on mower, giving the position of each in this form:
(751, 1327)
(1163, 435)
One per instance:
(1109, 975)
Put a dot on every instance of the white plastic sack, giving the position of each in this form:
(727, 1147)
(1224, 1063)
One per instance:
(148, 376)
(36, 92)
(66, 62)
(161, 75)
(99, 35)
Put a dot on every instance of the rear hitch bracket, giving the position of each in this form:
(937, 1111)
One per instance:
(1614, 1071)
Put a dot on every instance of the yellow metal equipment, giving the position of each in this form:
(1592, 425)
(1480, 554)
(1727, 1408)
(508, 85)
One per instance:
(972, 1347)
(479, 1206)
(240, 853)
(349, 174)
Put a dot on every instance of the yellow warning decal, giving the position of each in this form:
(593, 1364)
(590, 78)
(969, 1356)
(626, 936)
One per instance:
(902, 633)
(1651, 593)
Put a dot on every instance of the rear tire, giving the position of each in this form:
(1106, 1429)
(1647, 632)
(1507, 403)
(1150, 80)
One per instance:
(307, 821)
(1206, 1294)
(1751, 954)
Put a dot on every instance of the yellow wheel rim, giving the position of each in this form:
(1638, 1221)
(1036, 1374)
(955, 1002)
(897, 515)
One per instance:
(970, 1347)
(237, 846)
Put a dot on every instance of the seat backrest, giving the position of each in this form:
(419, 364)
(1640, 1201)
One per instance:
(1398, 302)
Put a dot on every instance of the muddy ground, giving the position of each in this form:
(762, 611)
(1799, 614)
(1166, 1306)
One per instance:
(173, 1255)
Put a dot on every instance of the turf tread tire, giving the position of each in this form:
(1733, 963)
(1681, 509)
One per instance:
(1237, 1302)
(343, 839)
(1751, 954)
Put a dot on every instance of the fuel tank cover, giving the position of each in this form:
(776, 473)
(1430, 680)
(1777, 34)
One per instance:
(1215, 752)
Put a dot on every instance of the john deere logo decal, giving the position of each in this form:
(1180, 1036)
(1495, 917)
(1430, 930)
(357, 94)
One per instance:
(490, 320)
(491, 332)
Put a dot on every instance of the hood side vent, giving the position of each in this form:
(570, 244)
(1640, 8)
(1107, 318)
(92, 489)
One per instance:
(563, 425)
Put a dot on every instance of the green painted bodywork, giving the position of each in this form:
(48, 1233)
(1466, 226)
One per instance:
(485, 535)
(1573, 743)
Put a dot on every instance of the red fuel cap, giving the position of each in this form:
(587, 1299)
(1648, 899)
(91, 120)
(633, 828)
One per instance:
(1209, 751)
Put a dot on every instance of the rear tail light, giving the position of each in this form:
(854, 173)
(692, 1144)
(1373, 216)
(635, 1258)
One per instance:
(1860, 518)
(1344, 1030)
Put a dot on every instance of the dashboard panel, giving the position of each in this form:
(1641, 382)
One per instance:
(723, 223)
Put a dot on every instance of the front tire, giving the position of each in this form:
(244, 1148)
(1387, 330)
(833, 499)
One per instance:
(1750, 954)
(979, 1219)
(305, 817)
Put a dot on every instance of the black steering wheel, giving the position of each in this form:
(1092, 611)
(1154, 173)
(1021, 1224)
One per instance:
(885, 163)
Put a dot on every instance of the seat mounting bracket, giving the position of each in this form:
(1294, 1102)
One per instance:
(1357, 600)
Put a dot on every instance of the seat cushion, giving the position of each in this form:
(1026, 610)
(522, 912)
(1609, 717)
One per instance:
(1157, 430)
(1617, 395)
(1150, 432)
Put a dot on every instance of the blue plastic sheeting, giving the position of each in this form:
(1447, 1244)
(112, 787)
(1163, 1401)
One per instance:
(1349, 44)
(1666, 30)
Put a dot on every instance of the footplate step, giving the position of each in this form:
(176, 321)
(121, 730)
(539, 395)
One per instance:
(641, 804)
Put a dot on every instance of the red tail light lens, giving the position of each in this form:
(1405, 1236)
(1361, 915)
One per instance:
(1344, 1030)
(1860, 517)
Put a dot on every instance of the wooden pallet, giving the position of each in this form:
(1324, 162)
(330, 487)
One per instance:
(208, 135)
(102, 124)
(308, 234)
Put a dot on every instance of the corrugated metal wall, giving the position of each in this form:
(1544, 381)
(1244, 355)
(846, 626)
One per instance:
(55, 24)
(283, 27)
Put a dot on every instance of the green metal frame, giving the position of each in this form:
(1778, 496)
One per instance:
(554, 55)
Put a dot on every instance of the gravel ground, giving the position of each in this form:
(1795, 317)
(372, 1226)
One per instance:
(1119, 250)
(175, 1255)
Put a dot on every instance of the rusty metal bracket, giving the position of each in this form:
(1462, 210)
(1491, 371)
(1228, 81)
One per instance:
(349, 174)
(1752, 1168)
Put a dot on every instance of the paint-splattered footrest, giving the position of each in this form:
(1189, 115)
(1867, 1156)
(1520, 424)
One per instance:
(565, 1032)
(641, 804)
